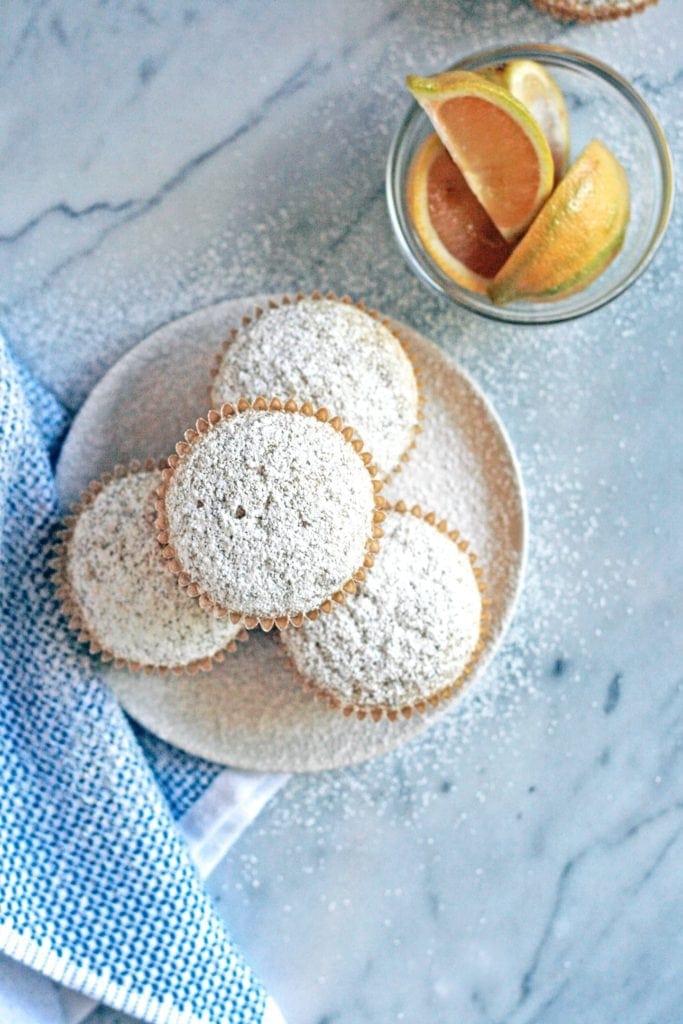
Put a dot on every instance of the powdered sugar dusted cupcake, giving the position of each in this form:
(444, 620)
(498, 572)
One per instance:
(592, 10)
(410, 635)
(115, 587)
(270, 511)
(336, 354)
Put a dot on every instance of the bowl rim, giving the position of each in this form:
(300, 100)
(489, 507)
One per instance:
(539, 313)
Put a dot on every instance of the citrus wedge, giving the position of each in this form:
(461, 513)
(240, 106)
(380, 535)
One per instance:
(576, 235)
(532, 85)
(494, 140)
(453, 226)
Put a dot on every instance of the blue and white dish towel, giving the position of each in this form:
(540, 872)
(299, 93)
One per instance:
(100, 890)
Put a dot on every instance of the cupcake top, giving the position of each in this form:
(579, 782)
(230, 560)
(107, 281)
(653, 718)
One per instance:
(118, 592)
(269, 512)
(332, 353)
(409, 634)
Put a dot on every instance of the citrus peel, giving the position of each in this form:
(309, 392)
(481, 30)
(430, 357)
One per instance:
(576, 235)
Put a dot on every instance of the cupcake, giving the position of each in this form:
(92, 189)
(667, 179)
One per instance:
(269, 512)
(116, 590)
(335, 354)
(412, 632)
(592, 10)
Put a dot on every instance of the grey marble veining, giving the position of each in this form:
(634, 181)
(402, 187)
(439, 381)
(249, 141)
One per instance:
(522, 862)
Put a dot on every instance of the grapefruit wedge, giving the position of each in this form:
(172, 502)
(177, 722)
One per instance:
(576, 235)
(530, 83)
(492, 137)
(453, 226)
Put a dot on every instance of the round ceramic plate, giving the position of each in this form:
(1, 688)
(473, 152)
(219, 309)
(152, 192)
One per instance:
(249, 712)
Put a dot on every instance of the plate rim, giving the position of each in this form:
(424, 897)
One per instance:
(514, 592)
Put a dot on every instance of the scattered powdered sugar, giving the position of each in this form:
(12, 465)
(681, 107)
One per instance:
(127, 598)
(332, 354)
(556, 388)
(270, 513)
(410, 630)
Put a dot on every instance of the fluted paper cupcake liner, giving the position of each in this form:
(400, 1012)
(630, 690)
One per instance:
(587, 11)
(202, 427)
(288, 300)
(376, 712)
(69, 603)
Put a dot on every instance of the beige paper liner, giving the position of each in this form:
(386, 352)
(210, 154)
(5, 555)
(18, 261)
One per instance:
(377, 712)
(288, 300)
(193, 436)
(72, 610)
(579, 10)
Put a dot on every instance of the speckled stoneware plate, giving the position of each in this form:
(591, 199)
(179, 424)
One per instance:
(249, 712)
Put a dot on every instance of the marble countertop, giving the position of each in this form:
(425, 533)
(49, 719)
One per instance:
(522, 861)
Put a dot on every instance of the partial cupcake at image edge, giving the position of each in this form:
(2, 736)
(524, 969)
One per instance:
(270, 512)
(592, 10)
(114, 588)
(335, 353)
(410, 636)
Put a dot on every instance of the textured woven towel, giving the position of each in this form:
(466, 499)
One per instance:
(97, 888)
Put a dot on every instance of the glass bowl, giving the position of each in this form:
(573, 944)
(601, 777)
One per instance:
(602, 105)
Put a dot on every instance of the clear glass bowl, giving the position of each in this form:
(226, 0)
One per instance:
(602, 105)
